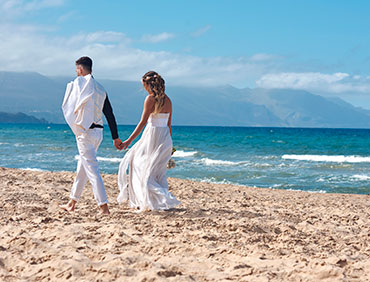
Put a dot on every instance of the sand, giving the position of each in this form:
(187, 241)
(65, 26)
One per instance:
(219, 233)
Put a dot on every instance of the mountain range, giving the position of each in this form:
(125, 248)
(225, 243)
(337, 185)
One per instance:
(19, 118)
(42, 96)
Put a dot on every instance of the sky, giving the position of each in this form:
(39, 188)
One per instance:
(319, 46)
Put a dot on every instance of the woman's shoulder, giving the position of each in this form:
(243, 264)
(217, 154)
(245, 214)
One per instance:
(149, 103)
(168, 99)
(149, 99)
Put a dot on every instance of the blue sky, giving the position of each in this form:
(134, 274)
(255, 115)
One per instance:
(319, 46)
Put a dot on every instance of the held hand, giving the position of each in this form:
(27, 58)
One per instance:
(117, 143)
(125, 144)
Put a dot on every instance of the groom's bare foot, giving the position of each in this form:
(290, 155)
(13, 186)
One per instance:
(69, 207)
(104, 209)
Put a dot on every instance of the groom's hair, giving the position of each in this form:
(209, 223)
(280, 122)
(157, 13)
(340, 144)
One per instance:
(86, 62)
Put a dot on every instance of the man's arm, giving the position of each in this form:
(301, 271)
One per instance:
(108, 113)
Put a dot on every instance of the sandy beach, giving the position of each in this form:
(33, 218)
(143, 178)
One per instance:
(219, 233)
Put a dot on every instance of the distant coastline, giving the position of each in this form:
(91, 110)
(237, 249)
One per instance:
(229, 106)
(20, 118)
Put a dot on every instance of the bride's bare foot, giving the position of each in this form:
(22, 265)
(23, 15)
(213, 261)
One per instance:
(104, 209)
(69, 207)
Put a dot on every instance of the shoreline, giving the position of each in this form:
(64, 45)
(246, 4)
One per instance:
(338, 163)
(208, 182)
(220, 232)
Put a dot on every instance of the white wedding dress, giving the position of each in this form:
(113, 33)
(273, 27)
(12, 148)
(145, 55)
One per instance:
(142, 172)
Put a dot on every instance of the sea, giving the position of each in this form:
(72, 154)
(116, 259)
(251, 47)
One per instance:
(314, 160)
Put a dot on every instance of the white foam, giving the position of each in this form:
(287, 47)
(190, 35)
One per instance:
(32, 169)
(308, 191)
(207, 161)
(327, 158)
(19, 145)
(102, 159)
(361, 177)
(183, 154)
(318, 191)
(278, 141)
(112, 160)
(213, 180)
(262, 165)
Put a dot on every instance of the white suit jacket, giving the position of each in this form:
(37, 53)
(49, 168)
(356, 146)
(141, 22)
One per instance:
(83, 103)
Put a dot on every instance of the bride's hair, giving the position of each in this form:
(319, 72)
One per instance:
(156, 86)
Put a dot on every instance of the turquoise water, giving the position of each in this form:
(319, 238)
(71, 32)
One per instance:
(317, 160)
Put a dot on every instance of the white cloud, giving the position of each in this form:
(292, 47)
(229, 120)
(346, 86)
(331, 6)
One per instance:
(33, 48)
(26, 48)
(263, 57)
(8, 5)
(68, 16)
(11, 8)
(104, 37)
(201, 31)
(41, 4)
(316, 82)
(155, 38)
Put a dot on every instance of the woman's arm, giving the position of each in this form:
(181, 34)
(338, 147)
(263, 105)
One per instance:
(170, 118)
(148, 109)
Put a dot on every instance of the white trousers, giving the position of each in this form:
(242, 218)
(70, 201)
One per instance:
(87, 166)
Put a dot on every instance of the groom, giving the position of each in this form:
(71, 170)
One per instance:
(84, 102)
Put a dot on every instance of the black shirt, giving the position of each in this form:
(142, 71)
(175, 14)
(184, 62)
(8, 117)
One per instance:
(108, 112)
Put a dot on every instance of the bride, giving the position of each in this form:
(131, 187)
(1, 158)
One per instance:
(142, 172)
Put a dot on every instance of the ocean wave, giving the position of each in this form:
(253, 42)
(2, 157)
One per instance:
(360, 177)
(332, 178)
(112, 160)
(343, 178)
(327, 158)
(19, 145)
(215, 181)
(183, 154)
(282, 187)
(278, 141)
(102, 159)
(32, 169)
(207, 161)
(263, 165)
(308, 191)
